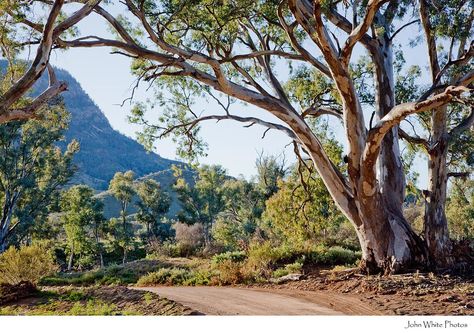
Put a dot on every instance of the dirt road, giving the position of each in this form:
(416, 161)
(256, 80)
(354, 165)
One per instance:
(253, 301)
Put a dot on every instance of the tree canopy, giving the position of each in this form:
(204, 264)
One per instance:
(341, 62)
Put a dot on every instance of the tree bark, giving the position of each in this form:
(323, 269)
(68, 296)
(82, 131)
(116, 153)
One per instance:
(71, 257)
(124, 259)
(435, 224)
(388, 242)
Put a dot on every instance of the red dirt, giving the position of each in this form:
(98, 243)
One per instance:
(407, 294)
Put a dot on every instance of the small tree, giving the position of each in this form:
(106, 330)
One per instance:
(153, 204)
(244, 205)
(28, 263)
(302, 210)
(202, 202)
(32, 169)
(460, 209)
(270, 170)
(83, 219)
(122, 188)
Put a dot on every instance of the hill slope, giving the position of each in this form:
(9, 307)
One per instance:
(166, 180)
(104, 151)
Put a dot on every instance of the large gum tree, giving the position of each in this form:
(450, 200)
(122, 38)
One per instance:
(236, 48)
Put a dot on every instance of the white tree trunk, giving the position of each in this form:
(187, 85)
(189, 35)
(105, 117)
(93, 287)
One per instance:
(435, 224)
(71, 258)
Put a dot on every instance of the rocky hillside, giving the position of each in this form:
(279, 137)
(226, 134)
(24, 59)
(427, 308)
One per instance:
(104, 151)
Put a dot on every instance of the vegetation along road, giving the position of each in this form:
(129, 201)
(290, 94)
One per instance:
(243, 301)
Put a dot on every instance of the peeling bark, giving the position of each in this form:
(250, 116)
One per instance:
(436, 225)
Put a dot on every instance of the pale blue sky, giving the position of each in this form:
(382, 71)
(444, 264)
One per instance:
(107, 79)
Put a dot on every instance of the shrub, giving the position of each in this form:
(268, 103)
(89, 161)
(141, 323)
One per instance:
(165, 276)
(111, 275)
(229, 272)
(339, 255)
(288, 269)
(189, 238)
(202, 277)
(236, 256)
(29, 263)
(335, 255)
(259, 261)
(93, 308)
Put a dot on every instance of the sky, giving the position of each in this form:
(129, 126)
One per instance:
(108, 81)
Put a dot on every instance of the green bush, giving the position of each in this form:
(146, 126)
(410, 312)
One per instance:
(335, 255)
(235, 256)
(93, 308)
(265, 260)
(260, 260)
(165, 276)
(176, 250)
(229, 272)
(288, 269)
(29, 263)
(112, 275)
(200, 277)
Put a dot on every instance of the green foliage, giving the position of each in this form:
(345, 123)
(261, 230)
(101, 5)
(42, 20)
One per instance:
(32, 170)
(270, 170)
(237, 223)
(202, 202)
(229, 271)
(93, 308)
(460, 210)
(288, 269)
(83, 223)
(335, 255)
(29, 263)
(236, 256)
(302, 212)
(266, 260)
(153, 204)
(111, 275)
(122, 188)
(165, 276)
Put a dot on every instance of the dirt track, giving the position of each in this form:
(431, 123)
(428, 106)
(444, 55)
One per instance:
(253, 301)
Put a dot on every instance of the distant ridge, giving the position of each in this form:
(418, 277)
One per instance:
(104, 151)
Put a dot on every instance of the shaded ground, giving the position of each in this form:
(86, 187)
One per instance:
(245, 301)
(408, 294)
(94, 301)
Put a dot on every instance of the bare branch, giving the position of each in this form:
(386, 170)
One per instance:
(37, 67)
(256, 54)
(319, 111)
(430, 39)
(464, 125)
(289, 30)
(413, 139)
(463, 175)
(75, 17)
(403, 27)
(400, 112)
(251, 120)
(359, 32)
(29, 111)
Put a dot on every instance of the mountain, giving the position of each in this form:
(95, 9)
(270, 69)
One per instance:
(103, 150)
